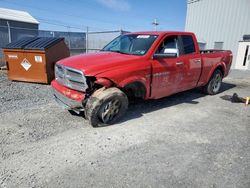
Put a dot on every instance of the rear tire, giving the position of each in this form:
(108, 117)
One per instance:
(106, 106)
(214, 84)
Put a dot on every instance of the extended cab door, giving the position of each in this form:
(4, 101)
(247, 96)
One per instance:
(190, 62)
(167, 68)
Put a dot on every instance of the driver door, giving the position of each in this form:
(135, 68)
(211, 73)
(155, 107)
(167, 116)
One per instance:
(166, 69)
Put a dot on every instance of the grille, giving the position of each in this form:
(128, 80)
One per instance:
(70, 78)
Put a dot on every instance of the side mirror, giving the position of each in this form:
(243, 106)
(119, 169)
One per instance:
(168, 53)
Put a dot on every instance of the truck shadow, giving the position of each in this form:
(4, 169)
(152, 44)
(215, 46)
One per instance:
(136, 110)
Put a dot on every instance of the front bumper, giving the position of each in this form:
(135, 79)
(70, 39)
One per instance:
(67, 98)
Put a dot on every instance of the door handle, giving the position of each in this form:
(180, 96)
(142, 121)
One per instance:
(179, 63)
(197, 61)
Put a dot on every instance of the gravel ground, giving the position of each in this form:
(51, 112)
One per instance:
(185, 140)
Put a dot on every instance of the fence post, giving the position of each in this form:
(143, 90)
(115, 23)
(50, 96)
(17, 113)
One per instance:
(121, 32)
(9, 33)
(69, 37)
(87, 39)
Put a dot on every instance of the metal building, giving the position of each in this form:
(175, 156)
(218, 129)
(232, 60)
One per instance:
(14, 25)
(219, 24)
(243, 54)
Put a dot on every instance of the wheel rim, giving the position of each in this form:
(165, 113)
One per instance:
(109, 110)
(216, 83)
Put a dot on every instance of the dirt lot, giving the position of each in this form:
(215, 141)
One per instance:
(186, 140)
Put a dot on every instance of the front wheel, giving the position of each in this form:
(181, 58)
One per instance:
(214, 84)
(106, 106)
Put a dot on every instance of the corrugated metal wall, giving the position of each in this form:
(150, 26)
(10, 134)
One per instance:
(219, 21)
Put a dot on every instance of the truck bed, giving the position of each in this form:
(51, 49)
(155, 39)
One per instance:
(211, 51)
(210, 59)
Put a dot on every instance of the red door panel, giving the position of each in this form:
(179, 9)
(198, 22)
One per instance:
(191, 70)
(166, 76)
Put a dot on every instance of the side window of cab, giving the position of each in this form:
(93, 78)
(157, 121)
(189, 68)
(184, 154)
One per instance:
(169, 47)
(187, 44)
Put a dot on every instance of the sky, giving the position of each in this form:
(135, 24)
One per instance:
(103, 15)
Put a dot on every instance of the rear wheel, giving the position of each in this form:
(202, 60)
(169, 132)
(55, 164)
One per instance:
(106, 106)
(214, 84)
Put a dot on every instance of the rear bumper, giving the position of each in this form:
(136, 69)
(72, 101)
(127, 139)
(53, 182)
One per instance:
(67, 98)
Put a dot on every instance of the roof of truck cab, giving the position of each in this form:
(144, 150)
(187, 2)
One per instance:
(160, 32)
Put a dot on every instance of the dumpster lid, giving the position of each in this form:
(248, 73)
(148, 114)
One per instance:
(34, 43)
(42, 43)
(20, 44)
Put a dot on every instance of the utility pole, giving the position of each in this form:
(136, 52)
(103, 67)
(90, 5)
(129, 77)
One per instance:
(155, 23)
(87, 38)
(9, 31)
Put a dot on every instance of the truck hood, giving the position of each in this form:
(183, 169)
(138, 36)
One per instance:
(96, 63)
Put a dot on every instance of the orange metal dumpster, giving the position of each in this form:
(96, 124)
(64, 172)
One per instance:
(33, 59)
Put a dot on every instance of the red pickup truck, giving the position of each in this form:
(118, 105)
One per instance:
(147, 65)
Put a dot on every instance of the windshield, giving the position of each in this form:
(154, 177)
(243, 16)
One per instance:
(134, 44)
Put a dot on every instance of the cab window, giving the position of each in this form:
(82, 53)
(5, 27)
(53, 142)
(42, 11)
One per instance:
(170, 43)
(188, 44)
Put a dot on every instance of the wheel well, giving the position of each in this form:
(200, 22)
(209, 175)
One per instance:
(221, 69)
(135, 90)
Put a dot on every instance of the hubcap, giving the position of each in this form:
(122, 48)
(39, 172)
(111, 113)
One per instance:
(216, 83)
(109, 110)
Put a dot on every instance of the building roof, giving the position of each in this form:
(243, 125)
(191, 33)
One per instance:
(16, 15)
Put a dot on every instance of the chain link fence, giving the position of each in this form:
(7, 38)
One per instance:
(97, 40)
(77, 42)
